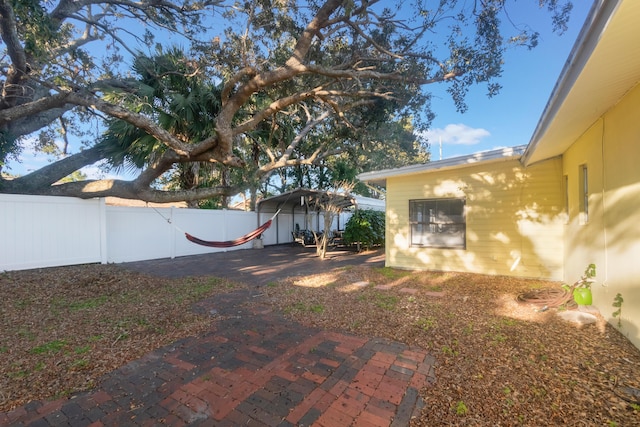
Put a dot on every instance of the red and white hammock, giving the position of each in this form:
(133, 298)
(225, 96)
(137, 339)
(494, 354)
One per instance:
(239, 241)
(229, 243)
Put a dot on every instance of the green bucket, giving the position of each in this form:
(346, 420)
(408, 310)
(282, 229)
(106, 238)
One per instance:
(582, 296)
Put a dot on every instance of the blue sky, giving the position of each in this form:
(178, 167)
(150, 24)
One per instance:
(505, 120)
(529, 76)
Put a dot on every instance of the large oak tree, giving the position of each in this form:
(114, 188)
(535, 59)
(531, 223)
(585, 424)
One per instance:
(315, 65)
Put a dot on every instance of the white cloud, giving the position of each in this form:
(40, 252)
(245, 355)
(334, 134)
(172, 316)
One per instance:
(457, 134)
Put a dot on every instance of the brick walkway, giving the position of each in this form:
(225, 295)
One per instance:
(253, 368)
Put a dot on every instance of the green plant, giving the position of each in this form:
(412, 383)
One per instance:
(461, 408)
(588, 277)
(425, 323)
(451, 351)
(386, 302)
(302, 307)
(88, 304)
(50, 347)
(83, 349)
(392, 273)
(617, 303)
(365, 227)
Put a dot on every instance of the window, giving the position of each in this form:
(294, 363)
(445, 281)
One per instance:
(438, 223)
(584, 194)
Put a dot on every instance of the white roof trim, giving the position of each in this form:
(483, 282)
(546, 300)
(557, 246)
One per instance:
(501, 154)
(588, 38)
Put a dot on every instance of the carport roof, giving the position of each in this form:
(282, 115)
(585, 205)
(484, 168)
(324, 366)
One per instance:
(300, 197)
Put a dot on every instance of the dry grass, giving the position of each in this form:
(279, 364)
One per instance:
(498, 362)
(63, 328)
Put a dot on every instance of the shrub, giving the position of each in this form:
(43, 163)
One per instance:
(365, 227)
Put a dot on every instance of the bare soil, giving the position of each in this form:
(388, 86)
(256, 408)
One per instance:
(499, 362)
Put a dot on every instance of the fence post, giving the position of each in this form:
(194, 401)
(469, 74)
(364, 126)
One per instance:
(172, 230)
(102, 220)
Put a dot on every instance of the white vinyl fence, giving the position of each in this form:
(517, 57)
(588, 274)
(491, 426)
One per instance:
(49, 231)
(42, 231)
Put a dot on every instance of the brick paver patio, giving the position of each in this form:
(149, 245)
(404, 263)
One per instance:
(253, 368)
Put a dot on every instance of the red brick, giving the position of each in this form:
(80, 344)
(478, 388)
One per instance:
(214, 388)
(416, 356)
(174, 420)
(363, 388)
(180, 395)
(17, 413)
(385, 358)
(318, 379)
(306, 346)
(390, 390)
(193, 388)
(242, 390)
(352, 402)
(375, 367)
(54, 405)
(368, 419)
(418, 381)
(289, 376)
(197, 405)
(211, 398)
(334, 418)
(242, 374)
(366, 379)
(260, 350)
(329, 362)
(223, 407)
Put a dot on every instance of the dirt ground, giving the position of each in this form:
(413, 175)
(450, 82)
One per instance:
(499, 361)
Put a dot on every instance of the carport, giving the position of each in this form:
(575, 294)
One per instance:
(305, 207)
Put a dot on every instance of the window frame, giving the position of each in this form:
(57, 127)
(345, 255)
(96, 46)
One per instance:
(427, 223)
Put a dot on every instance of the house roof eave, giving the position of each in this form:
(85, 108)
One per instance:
(502, 154)
(601, 68)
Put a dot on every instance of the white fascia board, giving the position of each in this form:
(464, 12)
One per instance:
(501, 154)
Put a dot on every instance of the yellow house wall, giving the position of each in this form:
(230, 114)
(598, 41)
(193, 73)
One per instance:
(514, 219)
(611, 236)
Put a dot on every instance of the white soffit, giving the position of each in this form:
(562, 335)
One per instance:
(603, 66)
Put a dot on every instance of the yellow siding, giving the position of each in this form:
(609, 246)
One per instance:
(611, 237)
(515, 221)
